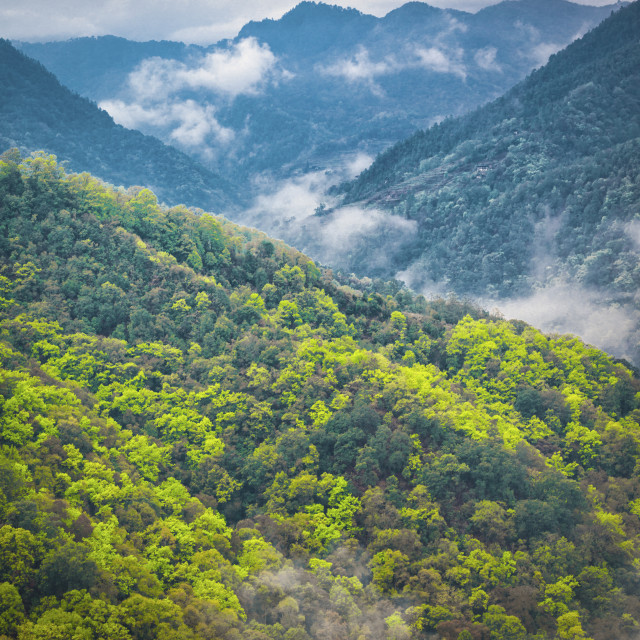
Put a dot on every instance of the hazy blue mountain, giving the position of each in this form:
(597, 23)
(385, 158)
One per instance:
(38, 113)
(94, 67)
(320, 83)
(539, 189)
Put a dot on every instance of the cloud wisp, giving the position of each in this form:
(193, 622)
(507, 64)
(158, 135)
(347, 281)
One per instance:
(300, 212)
(360, 68)
(192, 125)
(563, 307)
(347, 232)
(541, 49)
(486, 59)
(297, 198)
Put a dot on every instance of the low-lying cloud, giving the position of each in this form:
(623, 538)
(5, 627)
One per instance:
(567, 308)
(244, 68)
(435, 59)
(192, 124)
(348, 231)
(540, 50)
(599, 317)
(297, 198)
(360, 67)
(633, 231)
(300, 212)
(541, 53)
(486, 59)
(356, 164)
(292, 199)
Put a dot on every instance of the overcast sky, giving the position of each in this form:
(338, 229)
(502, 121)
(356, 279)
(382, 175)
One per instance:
(197, 21)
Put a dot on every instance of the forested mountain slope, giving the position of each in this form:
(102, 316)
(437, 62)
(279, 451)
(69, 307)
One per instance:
(205, 436)
(37, 112)
(95, 67)
(318, 84)
(539, 187)
(560, 147)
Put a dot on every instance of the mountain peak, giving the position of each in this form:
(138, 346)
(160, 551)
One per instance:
(415, 9)
(315, 26)
(308, 8)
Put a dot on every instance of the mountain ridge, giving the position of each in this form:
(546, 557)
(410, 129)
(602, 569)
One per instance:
(37, 112)
(535, 190)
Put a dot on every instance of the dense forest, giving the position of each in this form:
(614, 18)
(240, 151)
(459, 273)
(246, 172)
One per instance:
(204, 435)
(37, 112)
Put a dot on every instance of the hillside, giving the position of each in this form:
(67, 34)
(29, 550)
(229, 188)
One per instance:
(319, 85)
(537, 189)
(203, 435)
(37, 112)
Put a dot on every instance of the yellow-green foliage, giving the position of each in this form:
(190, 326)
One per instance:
(232, 444)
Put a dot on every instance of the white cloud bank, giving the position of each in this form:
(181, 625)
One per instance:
(156, 93)
(244, 68)
(297, 198)
(287, 212)
(350, 229)
(573, 309)
(192, 124)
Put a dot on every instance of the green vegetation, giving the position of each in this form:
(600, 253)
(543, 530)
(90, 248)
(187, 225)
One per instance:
(203, 435)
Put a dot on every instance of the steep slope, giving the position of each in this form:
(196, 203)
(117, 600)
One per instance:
(538, 188)
(37, 112)
(321, 83)
(202, 435)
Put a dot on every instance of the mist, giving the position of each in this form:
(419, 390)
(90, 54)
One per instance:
(555, 308)
(361, 68)
(300, 212)
(334, 600)
(571, 308)
(604, 319)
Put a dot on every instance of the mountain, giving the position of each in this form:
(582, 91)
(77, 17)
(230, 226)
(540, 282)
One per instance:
(537, 190)
(38, 113)
(204, 435)
(318, 86)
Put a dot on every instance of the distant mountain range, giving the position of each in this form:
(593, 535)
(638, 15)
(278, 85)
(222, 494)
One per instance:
(38, 113)
(321, 83)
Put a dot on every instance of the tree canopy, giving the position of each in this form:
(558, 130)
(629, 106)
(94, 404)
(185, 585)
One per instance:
(205, 435)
